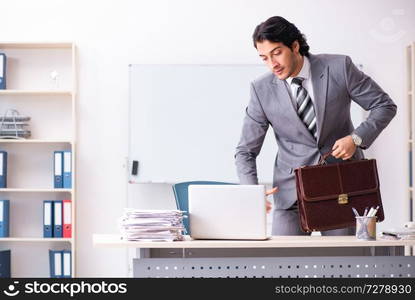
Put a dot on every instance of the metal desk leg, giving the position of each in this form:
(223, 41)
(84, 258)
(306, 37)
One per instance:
(143, 252)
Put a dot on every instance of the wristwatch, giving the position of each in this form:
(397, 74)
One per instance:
(357, 140)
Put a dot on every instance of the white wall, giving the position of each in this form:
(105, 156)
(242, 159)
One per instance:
(112, 34)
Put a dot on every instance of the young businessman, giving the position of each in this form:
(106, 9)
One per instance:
(306, 100)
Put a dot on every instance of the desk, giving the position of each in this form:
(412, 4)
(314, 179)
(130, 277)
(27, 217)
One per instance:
(380, 258)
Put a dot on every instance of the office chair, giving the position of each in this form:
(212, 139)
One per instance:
(181, 195)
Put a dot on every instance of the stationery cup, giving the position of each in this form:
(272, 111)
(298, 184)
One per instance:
(366, 228)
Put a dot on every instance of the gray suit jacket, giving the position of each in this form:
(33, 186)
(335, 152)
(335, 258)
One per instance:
(336, 81)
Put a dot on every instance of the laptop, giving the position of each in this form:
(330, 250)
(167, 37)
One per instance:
(234, 212)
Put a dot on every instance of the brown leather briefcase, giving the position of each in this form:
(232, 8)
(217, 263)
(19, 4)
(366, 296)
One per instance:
(327, 192)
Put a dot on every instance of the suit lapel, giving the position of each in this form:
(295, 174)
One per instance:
(319, 77)
(284, 100)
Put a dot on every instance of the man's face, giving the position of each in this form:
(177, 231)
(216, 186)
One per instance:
(282, 61)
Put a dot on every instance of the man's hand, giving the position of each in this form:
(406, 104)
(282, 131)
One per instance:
(344, 148)
(268, 204)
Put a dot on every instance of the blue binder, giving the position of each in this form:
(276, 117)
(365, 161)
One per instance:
(67, 169)
(3, 169)
(58, 169)
(47, 219)
(57, 218)
(3, 61)
(4, 218)
(66, 264)
(55, 263)
(5, 264)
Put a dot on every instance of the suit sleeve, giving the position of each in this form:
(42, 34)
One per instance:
(370, 96)
(254, 129)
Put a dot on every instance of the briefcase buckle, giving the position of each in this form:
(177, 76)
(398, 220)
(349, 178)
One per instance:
(343, 199)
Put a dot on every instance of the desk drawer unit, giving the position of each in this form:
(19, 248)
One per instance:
(277, 267)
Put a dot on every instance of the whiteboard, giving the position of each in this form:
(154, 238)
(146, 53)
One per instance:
(185, 122)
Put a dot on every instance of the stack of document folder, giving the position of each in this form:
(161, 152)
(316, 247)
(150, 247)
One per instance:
(152, 225)
(60, 263)
(62, 164)
(57, 218)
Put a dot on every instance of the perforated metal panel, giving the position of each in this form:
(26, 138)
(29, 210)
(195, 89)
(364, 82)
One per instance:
(281, 267)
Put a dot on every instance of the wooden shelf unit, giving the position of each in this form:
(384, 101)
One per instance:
(53, 110)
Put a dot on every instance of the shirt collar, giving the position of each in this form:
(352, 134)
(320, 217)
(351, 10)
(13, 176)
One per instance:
(304, 72)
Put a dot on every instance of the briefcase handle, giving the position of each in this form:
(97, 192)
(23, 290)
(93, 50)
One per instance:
(323, 158)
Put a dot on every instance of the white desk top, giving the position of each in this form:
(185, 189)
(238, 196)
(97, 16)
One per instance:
(113, 240)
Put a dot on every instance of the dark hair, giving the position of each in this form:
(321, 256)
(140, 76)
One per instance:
(278, 29)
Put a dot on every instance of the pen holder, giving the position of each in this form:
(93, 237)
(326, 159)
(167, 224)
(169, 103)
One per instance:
(366, 228)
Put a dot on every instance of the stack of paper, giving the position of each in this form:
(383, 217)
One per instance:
(151, 225)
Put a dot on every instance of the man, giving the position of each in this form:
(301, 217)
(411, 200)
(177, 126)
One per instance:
(306, 99)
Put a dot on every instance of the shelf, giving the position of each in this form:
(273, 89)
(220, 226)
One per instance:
(44, 45)
(36, 92)
(34, 141)
(44, 240)
(21, 190)
(54, 109)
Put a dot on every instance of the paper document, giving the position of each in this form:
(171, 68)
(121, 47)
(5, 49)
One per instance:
(151, 225)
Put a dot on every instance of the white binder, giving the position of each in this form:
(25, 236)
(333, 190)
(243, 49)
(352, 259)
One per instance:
(66, 264)
(57, 256)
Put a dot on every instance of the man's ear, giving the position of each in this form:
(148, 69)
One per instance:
(295, 47)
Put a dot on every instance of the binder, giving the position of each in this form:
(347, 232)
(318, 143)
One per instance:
(5, 264)
(67, 218)
(47, 219)
(3, 169)
(57, 218)
(57, 170)
(66, 264)
(55, 263)
(4, 218)
(67, 169)
(3, 60)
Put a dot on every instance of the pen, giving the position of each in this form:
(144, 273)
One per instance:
(390, 233)
(374, 211)
(369, 214)
(355, 212)
(364, 214)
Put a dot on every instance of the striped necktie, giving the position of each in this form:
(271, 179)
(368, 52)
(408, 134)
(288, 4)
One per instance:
(305, 107)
